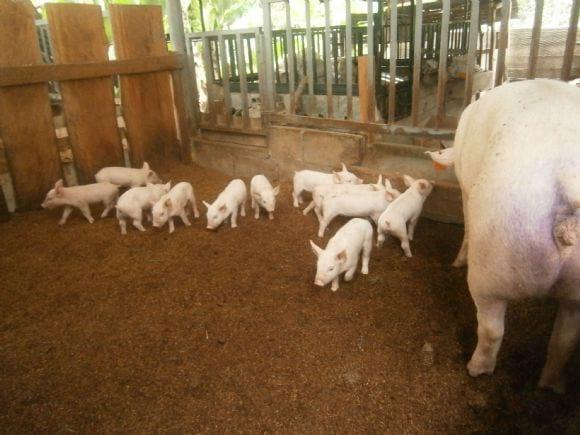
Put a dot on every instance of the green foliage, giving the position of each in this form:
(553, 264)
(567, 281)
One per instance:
(218, 14)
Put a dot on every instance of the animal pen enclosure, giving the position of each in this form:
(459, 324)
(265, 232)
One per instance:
(215, 331)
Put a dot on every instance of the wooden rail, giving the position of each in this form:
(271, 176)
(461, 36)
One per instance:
(30, 74)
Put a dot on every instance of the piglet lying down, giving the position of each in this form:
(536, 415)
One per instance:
(81, 197)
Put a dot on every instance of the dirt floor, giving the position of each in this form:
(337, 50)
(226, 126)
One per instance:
(225, 331)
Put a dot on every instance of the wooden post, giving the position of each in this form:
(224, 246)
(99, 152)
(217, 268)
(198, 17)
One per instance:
(269, 89)
(473, 31)
(502, 41)
(328, 60)
(290, 56)
(225, 79)
(177, 33)
(366, 97)
(243, 81)
(417, 59)
(442, 76)
(535, 43)
(491, 36)
(208, 68)
(370, 73)
(570, 41)
(4, 213)
(393, 46)
(348, 60)
(309, 61)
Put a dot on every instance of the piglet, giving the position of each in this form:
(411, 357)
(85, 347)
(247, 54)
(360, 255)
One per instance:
(232, 199)
(134, 201)
(342, 253)
(173, 204)
(355, 204)
(306, 181)
(127, 177)
(80, 197)
(406, 208)
(263, 195)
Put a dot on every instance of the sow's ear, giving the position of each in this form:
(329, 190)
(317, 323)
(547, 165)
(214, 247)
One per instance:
(317, 251)
(341, 256)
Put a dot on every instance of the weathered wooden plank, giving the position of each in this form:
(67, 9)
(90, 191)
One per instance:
(208, 69)
(473, 31)
(309, 60)
(354, 126)
(146, 98)
(328, 59)
(268, 89)
(25, 116)
(417, 59)
(442, 75)
(370, 73)
(365, 95)
(182, 116)
(570, 41)
(30, 74)
(502, 42)
(492, 12)
(225, 79)
(393, 62)
(243, 81)
(348, 60)
(88, 104)
(4, 212)
(290, 71)
(535, 43)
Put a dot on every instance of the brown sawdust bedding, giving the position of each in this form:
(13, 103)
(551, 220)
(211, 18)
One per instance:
(225, 331)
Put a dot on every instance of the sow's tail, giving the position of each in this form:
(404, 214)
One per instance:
(443, 158)
(566, 224)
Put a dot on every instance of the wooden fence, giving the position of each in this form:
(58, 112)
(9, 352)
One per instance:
(151, 102)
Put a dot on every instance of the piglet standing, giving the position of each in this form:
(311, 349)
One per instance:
(306, 181)
(134, 201)
(81, 197)
(173, 204)
(342, 253)
(263, 195)
(232, 199)
(406, 208)
(127, 177)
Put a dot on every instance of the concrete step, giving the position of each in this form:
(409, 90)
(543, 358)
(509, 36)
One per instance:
(235, 136)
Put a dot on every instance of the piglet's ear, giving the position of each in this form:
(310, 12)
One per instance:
(58, 187)
(168, 203)
(146, 166)
(380, 180)
(276, 190)
(336, 177)
(341, 256)
(207, 204)
(408, 180)
(222, 208)
(389, 196)
(422, 185)
(344, 168)
(168, 186)
(317, 250)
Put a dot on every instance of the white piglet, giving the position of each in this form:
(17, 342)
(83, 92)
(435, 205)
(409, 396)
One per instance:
(232, 199)
(405, 209)
(342, 253)
(354, 204)
(173, 204)
(263, 195)
(81, 197)
(127, 177)
(135, 201)
(306, 181)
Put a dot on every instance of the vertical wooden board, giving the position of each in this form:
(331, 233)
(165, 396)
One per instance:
(25, 117)
(146, 98)
(89, 106)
